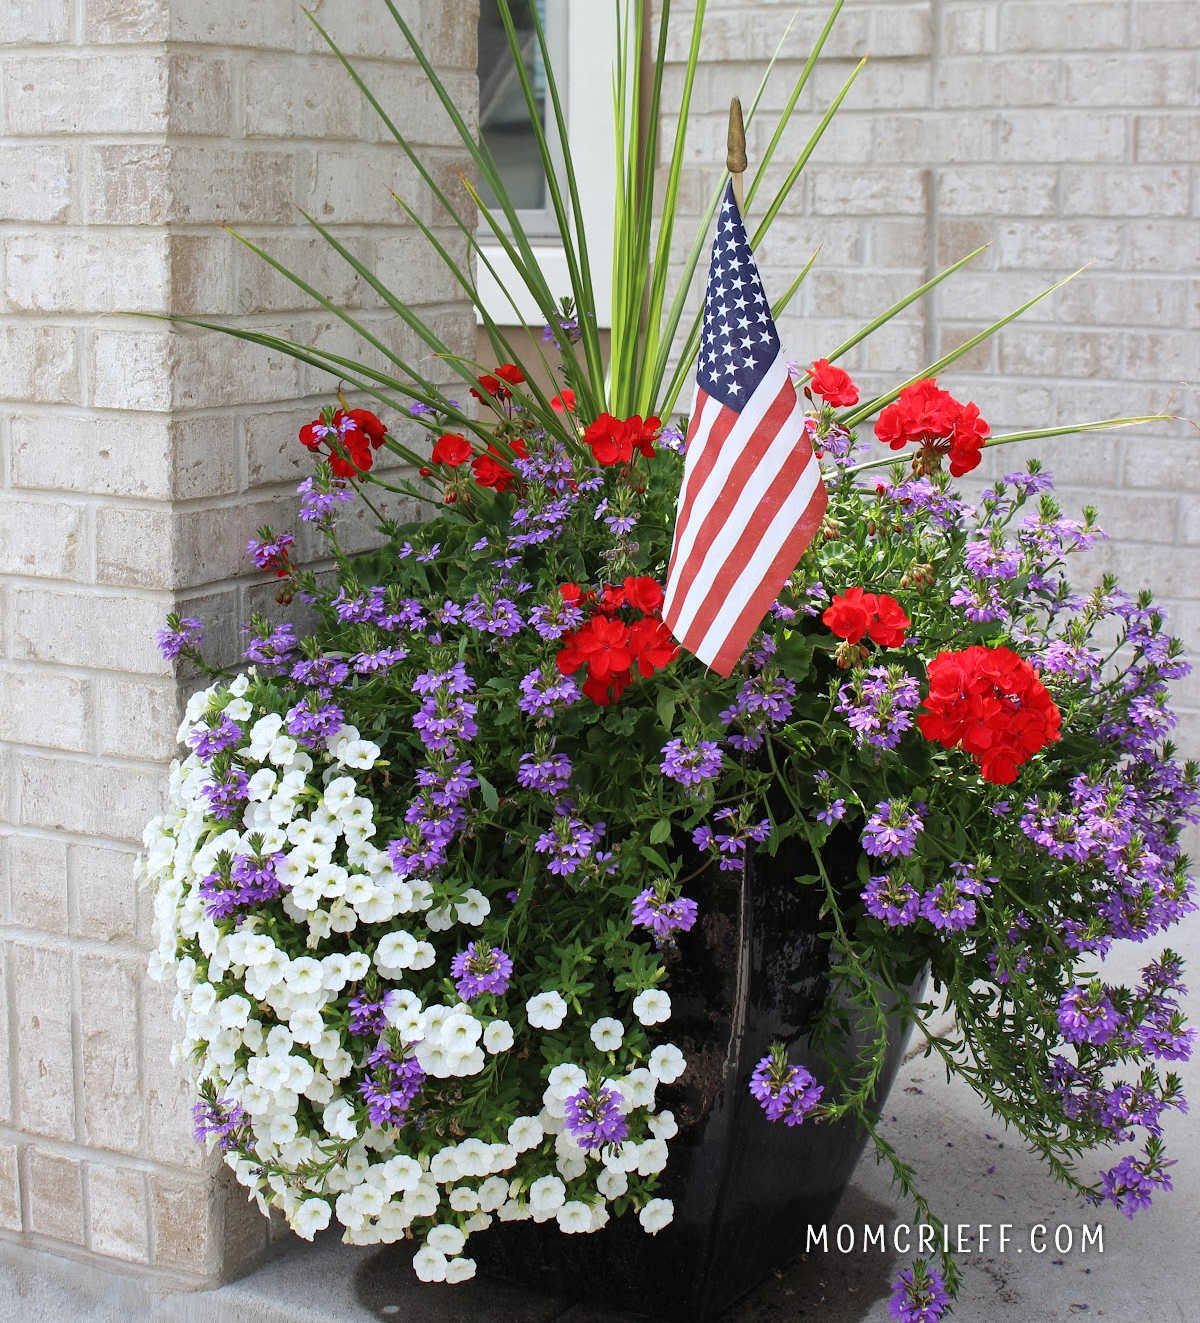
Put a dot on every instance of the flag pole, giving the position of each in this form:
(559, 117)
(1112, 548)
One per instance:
(735, 154)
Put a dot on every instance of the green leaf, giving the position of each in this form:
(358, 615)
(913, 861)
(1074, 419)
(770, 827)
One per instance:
(666, 709)
(661, 831)
(655, 858)
(488, 791)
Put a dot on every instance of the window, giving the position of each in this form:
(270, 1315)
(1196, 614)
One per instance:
(581, 38)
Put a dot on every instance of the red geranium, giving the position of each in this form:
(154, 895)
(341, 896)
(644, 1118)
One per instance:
(613, 440)
(491, 468)
(832, 384)
(652, 645)
(507, 374)
(349, 438)
(857, 612)
(564, 403)
(849, 614)
(933, 419)
(992, 703)
(644, 593)
(610, 648)
(452, 449)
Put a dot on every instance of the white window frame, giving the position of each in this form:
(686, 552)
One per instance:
(586, 90)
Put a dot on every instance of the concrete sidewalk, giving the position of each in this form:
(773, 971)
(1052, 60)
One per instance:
(972, 1173)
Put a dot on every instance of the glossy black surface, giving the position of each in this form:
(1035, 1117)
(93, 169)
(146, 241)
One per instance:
(752, 972)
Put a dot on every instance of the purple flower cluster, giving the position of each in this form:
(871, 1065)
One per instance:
(1130, 1185)
(250, 882)
(435, 816)
(891, 900)
(549, 775)
(367, 1015)
(731, 846)
(323, 674)
(879, 704)
(268, 552)
(891, 831)
(270, 648)
(374, 663)
(594, 1118)
(226, 792)
(318, 501)
(690, 765)
(1085, 1015)
(224, 1120)
(480, 970)
(500, 618)
(989, 558)
(569, 842)
(763, 701)
(208, 741)
(662, 915)
(786, 1092)
(392, 1089)
(544, 691)
(184, 635)
(312, 722)
(445, 716)
(919, 1295)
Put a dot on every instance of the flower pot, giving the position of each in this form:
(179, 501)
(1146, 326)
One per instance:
(753, 971)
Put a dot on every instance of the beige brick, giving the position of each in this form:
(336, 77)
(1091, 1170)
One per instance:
(362, 28)
(131, 369)
(185, 1219)
(1164, 245)
(26, 22)
(126, 184)
(1168, 137)
(923, 138)
(168, 1095)
(211, 369)
(1062, 135)
(891, 192)
(987, 190)
(39, 363)
(1162, 356)
(200, 98)
(105, 893)
(137, 717)
(273, 449)
(1040, 27)
(1165, 24)
(201, 272)
(998, 81)
(1170, 464)
(1129, 80)
(118, 1212)
(260, 288)
(1122, 301)
(267, 25)
(111, 1083)
(301, 97)
(111, 631)
(8, 1044)
(115, 21)
(1127, 516)
(1059, 352)
(45, 539)
(97, 93)
(55, 1195)
(135, 546)
(67, 271)
(37, 885)
(1059, 246)
(1148, 191)
(35, 182)
(61, 794)
(10, 1189)
(331, 186)
(42, 1018)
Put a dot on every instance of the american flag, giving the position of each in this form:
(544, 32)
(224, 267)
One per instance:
(752, 497)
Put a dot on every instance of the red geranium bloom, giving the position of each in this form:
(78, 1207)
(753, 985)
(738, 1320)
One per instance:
(452, 449)
(511, 373)
(491, 468)
(612, 598)
(832, 384)
(849, 614)
(992, 703)
(613, 440)
(887, 629)
(644, 593)
(564, 403)
(349, 439)
(651, 643)
(571, 592)
(607, 690)
(604, 644)
(938, 423)
(368, 424)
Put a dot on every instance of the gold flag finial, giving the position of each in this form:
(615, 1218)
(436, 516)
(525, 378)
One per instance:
(735, 157)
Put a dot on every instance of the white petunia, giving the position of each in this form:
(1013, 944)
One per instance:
(566, 1080)
(312, 1216)
(607, 1034)
(429, 1265)
(652, 1006)
(546, 1011)
(498, 1036)
(574, 1217)
(525, 1132)
(395, 952)
(612, 1184)
(460, 1270)
(667, 1063)
(547, 1194)
(261, 785)
(338, 1119)
(474, 907)
(656, 1215)
(304, 976)
(358, 753)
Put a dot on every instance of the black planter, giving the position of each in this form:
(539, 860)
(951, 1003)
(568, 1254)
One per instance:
(752, 972)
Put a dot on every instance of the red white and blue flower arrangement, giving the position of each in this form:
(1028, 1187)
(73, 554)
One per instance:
(417, 888)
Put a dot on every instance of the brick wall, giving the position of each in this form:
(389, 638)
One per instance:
(1062, 134)
(135, 463)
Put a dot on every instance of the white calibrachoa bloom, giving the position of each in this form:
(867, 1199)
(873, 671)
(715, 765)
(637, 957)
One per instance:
(313, 962)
